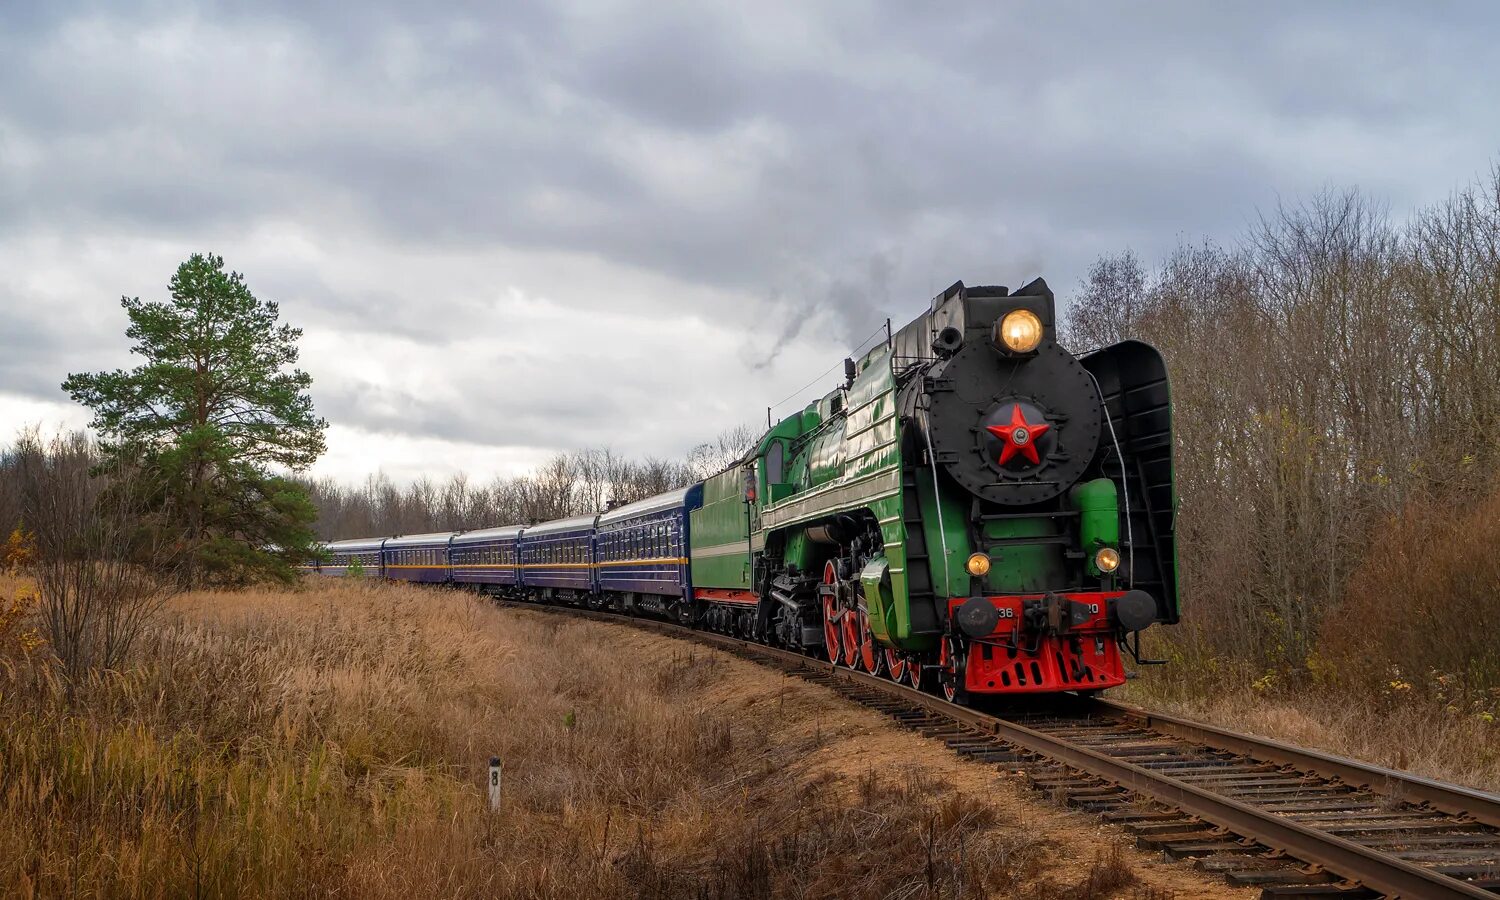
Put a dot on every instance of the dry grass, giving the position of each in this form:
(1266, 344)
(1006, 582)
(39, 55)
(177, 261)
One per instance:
(334, 742)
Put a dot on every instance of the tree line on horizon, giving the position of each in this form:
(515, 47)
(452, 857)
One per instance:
(572, 483)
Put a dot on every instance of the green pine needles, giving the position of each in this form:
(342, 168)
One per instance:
(216, 409)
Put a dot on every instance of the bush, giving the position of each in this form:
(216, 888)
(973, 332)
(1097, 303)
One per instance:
(1417, 616)
(101, 570)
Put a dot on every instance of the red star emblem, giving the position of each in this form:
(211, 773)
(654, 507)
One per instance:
(1019, 436)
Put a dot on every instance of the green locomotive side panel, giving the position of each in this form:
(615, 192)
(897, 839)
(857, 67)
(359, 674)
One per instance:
(720, 534)
(851, 460)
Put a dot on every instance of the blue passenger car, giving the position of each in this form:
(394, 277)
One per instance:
(358, 557)
(487, 558)
(557, 558)
(417, 557)
(641, 550)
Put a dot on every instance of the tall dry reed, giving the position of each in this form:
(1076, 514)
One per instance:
(334, 742)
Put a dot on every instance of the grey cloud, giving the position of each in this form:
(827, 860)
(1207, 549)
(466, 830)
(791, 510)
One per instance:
(813, 169)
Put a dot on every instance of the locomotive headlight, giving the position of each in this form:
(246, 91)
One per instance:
(1020, 331)
(1107, 559)
(978, 565)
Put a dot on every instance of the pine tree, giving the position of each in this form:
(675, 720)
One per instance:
(217, 405)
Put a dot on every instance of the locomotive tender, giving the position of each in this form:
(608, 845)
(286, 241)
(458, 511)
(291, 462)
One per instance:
(976, 510)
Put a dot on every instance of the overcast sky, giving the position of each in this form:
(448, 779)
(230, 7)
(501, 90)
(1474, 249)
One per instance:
(512, 229)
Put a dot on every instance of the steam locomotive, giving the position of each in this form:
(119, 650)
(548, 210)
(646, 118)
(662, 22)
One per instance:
(974, 511)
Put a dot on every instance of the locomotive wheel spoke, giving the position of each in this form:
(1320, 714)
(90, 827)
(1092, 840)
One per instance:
(870, 658)
(916, 672)
(830, 616)
(951, 671)
(849, 637)
(895, 665)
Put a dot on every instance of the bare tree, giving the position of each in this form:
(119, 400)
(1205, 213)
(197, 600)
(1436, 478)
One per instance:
(1331, 374)
(726, 449)
(102, 571)
(1106, 310)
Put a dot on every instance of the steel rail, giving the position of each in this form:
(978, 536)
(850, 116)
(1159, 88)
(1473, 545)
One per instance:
(1375, 870)
(1449, 798)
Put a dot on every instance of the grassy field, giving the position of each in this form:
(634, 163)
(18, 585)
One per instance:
(334, 741)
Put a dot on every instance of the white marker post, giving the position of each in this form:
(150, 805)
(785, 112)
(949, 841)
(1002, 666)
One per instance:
(494, 784)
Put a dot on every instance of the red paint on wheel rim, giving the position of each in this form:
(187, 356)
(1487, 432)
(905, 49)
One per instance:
(895, 665)
(830, 612)
(869, 651)
(948, 663)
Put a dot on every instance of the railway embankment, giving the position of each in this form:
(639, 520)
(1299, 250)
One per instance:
(336, 740)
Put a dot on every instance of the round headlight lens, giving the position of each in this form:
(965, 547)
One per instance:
(978, 565)
(1020, 331)
(1107, 559)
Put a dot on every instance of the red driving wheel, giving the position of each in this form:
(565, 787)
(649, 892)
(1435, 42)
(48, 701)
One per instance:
(951, 669)
(871, 659)
(849, 636)
(830, 615)
(895, 665)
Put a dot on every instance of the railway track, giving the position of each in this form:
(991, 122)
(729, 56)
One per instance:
(1298, 823)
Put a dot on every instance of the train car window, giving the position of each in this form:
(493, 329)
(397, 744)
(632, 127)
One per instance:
(774, 459)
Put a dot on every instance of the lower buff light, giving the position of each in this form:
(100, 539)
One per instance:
(978, 565)
(1107, 559)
